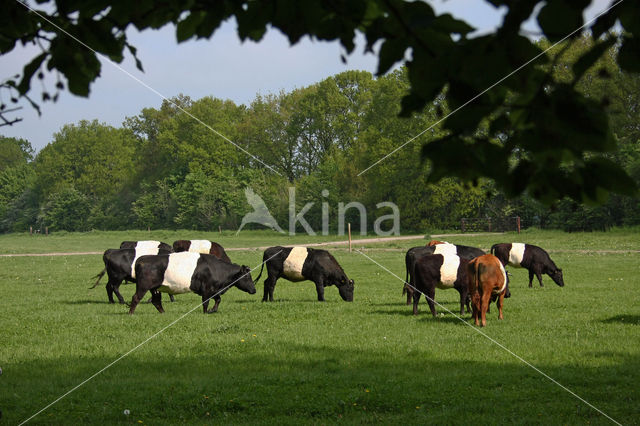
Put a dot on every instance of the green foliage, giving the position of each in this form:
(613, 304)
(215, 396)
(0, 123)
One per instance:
(550, 130)
(67, 209)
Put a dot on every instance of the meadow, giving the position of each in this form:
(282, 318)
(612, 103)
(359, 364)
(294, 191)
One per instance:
(298, 361)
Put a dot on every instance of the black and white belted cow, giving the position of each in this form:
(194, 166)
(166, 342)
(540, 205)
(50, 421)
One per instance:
(119, 265)
(443, 271)
(533, 258)
(146, 245)
(201, 246)
(176, 273)
(433, 247)
(302, 263)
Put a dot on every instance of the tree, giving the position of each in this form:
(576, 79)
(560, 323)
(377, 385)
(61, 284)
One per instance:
(14, 152)
(554, 134)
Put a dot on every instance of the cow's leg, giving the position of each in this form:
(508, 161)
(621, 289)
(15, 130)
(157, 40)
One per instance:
(486, 299)
(269, 286)
(112, 287)
(173, 299)
(476, 302)
(320, 290)
(215, 305)
(539, 276)
(430, 295)
(463, 300)
(530, 278)
(206, 296)
(500, 303)
(156, 299)
(137, 297)
(416, 299)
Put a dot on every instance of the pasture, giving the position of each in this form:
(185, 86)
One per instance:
(298, 361)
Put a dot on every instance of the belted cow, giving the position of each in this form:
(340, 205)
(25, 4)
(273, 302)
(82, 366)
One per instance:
(530, 257)
(203, 274)
(433, 247)
(201, 246)
(119, 266)
(146, 245)
(302, 263)
(442, 271)
(487, 279)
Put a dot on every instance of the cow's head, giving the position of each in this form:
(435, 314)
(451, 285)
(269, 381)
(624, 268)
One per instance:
(556, 276)
(244, 281)
(345, 287)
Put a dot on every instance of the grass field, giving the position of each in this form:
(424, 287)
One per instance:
(298, 361)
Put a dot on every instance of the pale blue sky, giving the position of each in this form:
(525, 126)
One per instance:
(221, 67)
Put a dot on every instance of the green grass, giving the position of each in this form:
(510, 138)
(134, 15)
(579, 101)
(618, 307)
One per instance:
(297, 361)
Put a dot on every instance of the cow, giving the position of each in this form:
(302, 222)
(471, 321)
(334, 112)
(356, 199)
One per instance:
(302, 263)
(487, 279)
(433, 247)
(530, 257)
(201, 246)
(442, 271)
(119, 266)
(146, 245)
(176, 273)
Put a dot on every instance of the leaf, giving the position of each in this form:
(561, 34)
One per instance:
(629, 54)
(391, 52)
(559, 18)
(28, 72)
(187, 27)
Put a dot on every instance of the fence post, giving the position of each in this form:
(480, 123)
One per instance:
(349, 230)
(31, 230)
(518, 223)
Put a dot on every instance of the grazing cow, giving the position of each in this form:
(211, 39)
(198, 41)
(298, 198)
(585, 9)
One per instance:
(433, 247)
(145, 245)
(301, 263)
(175, 273)
(443, 271)
(533, 258)
(119, 266)
(487, 279)
(201, 246)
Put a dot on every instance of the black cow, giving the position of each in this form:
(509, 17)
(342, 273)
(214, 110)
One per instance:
(119, 266)
(443, 271)
(203, 274)
(415, 253)
(146, 245)
(530, 257)
(301, 263)
(201, 246)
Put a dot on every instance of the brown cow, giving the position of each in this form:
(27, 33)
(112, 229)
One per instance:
(487, 277)
(434, 242)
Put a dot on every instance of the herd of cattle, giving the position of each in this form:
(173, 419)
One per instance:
(203, 267)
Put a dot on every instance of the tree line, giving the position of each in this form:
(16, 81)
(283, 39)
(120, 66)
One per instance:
(164, 169)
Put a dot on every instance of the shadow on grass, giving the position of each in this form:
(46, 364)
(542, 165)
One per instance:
(294, 383)
(633, 319)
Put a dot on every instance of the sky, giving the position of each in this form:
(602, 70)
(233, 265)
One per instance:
(221, 67)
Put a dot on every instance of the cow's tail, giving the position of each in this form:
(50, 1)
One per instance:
(406, 283)
(260, 274)
(99, 277)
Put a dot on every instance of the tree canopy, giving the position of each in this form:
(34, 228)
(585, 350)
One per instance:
(528, 131)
